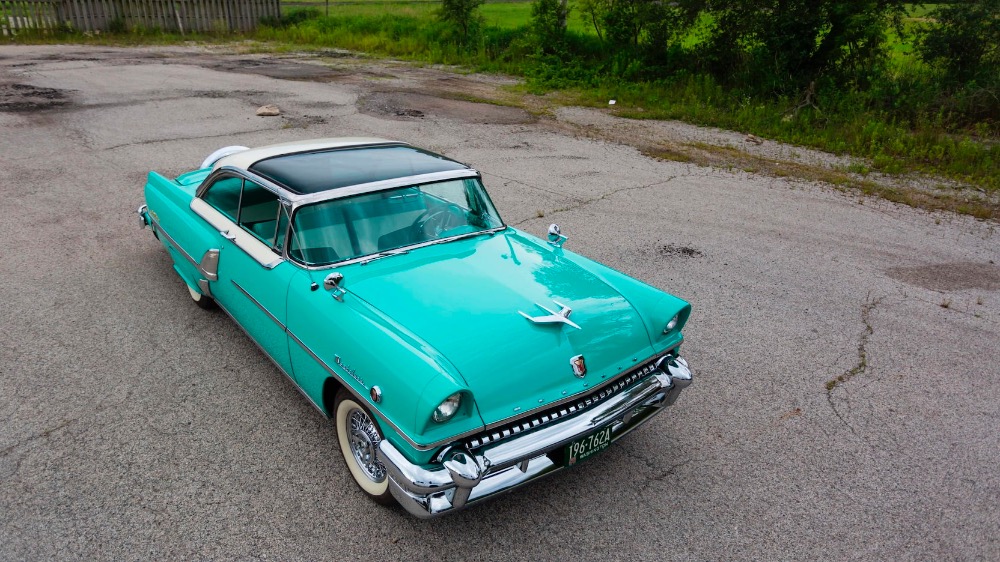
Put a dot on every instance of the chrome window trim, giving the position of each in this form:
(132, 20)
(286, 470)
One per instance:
(292, 201)
(372, 187)
(297, 199)
(232, 171)
(392, 184)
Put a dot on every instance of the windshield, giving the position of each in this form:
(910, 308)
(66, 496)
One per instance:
(352, 227)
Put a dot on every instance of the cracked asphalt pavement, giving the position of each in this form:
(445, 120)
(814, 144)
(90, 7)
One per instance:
(846, 350)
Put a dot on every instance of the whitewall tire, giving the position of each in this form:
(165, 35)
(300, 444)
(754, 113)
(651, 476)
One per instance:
(359, 435)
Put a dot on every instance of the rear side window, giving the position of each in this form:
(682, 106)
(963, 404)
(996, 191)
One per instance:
(259, 212)
(224, 195)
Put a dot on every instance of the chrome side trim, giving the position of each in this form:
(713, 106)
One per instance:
(362, 399)
(276, 364)
(205, 288)
(197, 265)
(259, 305)
(209, 265)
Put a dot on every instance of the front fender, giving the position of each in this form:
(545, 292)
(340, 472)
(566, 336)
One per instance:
(360, 346)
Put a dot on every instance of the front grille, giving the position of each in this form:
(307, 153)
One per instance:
(573, 406)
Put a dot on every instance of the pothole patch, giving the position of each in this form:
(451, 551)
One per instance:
(279, 69)
(949, 276)
(675, 251)
(409, 105)
(27, 98)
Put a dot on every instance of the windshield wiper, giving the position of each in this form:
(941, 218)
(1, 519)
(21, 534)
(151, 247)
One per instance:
(491, 232)
(384, 254)
(407, 249)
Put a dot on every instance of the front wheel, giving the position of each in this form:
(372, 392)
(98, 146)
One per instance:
(359, 437)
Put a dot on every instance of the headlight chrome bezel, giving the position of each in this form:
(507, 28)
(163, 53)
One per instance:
(447, 408)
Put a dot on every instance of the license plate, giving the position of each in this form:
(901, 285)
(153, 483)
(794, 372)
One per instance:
(588, 446)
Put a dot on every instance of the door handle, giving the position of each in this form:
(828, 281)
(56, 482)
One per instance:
(225, 234)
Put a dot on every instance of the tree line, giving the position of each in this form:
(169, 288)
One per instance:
(797, 48)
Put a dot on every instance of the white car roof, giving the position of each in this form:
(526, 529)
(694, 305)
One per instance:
(246, 158)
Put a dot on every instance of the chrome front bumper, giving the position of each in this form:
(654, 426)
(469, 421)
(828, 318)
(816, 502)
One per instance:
(466, 477)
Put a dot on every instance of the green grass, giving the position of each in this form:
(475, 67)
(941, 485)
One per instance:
(844, 127)
(893, 125)
(894, 139)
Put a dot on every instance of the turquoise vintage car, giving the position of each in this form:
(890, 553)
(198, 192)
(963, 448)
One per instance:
(460, 357)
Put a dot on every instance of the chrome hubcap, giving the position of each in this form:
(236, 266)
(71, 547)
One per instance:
(364, 439)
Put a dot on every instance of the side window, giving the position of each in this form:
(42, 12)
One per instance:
(279, 236)
(259, 212)
(224, 195)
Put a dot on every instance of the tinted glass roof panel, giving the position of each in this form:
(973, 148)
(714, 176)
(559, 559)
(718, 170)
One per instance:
(314, 172)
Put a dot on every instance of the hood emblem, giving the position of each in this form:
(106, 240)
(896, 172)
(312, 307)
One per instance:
(553, 317)
(579, 366)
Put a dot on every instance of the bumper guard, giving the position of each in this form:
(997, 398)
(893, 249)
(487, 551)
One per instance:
(467, 477)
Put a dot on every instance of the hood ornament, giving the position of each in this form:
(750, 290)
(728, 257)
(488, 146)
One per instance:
(561, 317)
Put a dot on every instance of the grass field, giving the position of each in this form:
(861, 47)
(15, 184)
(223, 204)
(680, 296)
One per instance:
(511, 14)
(505, 15)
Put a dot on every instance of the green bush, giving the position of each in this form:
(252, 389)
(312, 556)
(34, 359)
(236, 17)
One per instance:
(964, 45)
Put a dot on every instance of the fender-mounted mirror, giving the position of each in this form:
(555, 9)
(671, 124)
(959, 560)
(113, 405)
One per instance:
(556, 237)
(332, 284)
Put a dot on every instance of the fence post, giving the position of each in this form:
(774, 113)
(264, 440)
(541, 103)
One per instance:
(177, 15)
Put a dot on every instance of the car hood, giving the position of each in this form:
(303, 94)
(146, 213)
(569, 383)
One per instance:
(464, 298)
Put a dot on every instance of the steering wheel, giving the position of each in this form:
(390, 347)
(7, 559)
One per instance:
(432, 223)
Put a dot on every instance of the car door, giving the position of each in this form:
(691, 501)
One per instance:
(253, 278)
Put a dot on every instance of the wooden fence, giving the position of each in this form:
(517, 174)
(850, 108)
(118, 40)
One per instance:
(180, 16)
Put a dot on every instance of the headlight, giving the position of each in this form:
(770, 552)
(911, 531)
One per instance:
(672, 324)
(447, 409)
